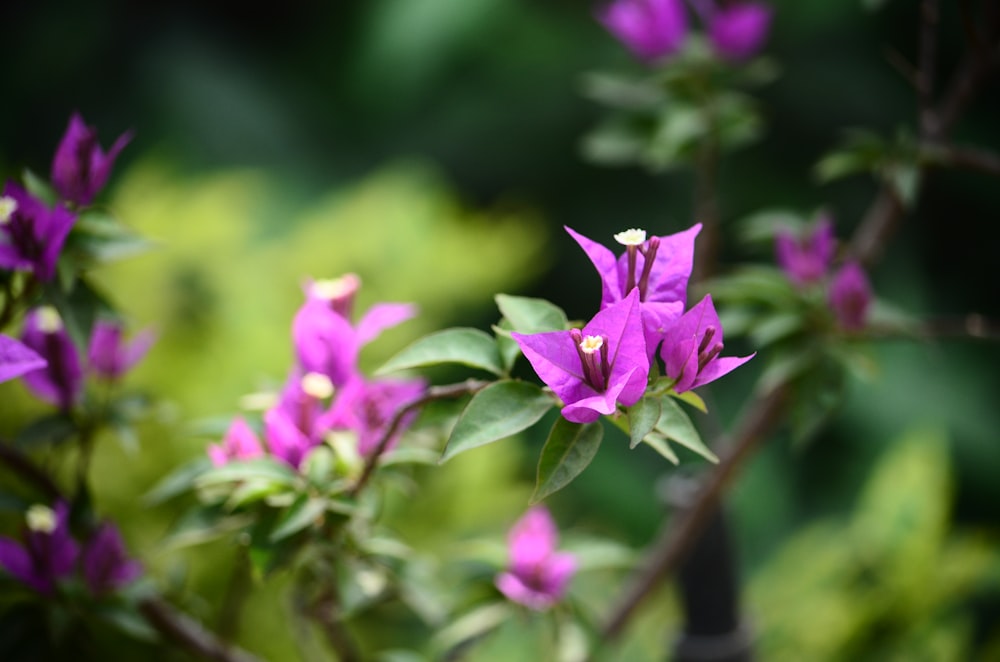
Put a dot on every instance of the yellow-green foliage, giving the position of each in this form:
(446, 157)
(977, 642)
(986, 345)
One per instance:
(885, 585)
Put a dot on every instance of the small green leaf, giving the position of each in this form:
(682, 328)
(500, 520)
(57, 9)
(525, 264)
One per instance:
(528, 315)
(263, 468)
(303, 513)
(508, 347)
(470, 626)
(39, 188)
(409, 455)
(567, 452)
(48, 430)
(464, 346)
(642, 418)
(98, 237)
(498, 411)
(202, 524)
(692, 399)
(659, 444)
(674, 424)
(177, 482)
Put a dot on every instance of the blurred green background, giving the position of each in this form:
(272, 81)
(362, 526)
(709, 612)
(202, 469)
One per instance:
(432, 146)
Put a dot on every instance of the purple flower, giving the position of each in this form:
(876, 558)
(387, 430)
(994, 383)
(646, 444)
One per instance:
(369, 407)
(31, 234)
(594, 369)
(536, 575)
(850, 296)
(738, 30)
(239, 443)
(80, 167)
(106, 565)
(110, 356)
(805, 259)
(326, 342)
(16, 359)
(650, 29)
(61, 381)
(659, 267)
(300, 419)
(49, 552)
(691, 348)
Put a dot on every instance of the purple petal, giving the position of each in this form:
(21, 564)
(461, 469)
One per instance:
(622, 325)
(61, 381)
(80, 169)
(605, 263)
(850, 296)
(532, 538)
(106, 565)
(381, 317)
(649, 28)
(668, 280)
(284, 438)
(325, 342)
(718, 367)
(738, 31)
(16, 359)
(15, 560)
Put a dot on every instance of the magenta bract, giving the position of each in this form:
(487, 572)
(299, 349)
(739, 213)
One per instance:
(805, 259)
(650, 29)
(537, 575)
(739, 30)
(369, 407)
(850, 296)
(31, 234)
(239, 443)
(106, 564)
(46, 555)
(80, 168)
(17, 359)
(110, 356)
(60, 382)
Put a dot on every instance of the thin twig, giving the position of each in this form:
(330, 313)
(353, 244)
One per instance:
(189, 633)
(25, 469)
(969, 158)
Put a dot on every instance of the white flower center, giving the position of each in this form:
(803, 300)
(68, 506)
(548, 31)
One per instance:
(41, 518)
(49, 320)
(336, 288)
(317, 385)
(591, 344)
(8, 206)
(631, 237)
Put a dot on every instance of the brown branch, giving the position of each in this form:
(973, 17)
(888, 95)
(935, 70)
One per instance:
(757, 421)
(25, 469)
(189, 634)
(434, 393)
(968, 158)
(878, 224)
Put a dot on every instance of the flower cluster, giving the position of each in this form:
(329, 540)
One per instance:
(537, 575)
(608, 363)
(326, 391)
(50, 554)
(59, 379)
(806, 260)
(655, 29)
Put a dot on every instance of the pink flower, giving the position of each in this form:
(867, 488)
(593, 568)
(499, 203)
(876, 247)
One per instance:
(109, 355)
(805, 259)
(739, 30)
(49, 552)
(61, 381)
(536, 575)
(651, 29)
(691, 348)
(369, 407)
(80, 168)
(239, 443)
(17, 359)
(850, 296)
(106, 564)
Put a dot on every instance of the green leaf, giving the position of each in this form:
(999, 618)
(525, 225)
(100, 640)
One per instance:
(692, 399)
(642, 418)
(778, 326)
(199, 525)
(470, 626)
(498, 411)
(567, 452)
(507, 346)
(660, 444)
(464, 346)
(263, 468)
(409, 455)
(303, 513)
(51, 429)
(177, 482)
(619, 92)
(98, 237)
(674, 424)
(39, 188)
(528, 315)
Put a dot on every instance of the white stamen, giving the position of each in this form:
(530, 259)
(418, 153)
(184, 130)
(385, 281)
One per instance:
(317, 385)
(591, 344)
(631, 237)
(8, 206)
(336, 288)
(49, 320)
(41, 518)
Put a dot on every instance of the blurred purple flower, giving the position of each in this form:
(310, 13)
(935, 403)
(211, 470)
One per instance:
(49, 552)
(691, 348)
(80, 168)
(369, 407)
(650, 29)
(806, 258)
(658, 266)
(593, 369)
(31, 234)
(326, 341)
(739, 30)
(537, 575)
(110, 356)
(239, 443)
(17, 359)
(300, 419)
(106, 564)
(61, 381)
(850, 296)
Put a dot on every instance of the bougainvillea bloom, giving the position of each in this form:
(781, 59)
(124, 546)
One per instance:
(16, 359)
(691, 348)
(239, 443)
(650, 29)
(326, 341)
(805, 259)
(300, 419)
(80, 168)
(49, 552)
(106, 565)
(850, 296)
(110, 355)
(61, 381)
(537, 575)
(738, 31)
(369, 407)
(593, 369)
(31, 234)
(659, 267)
